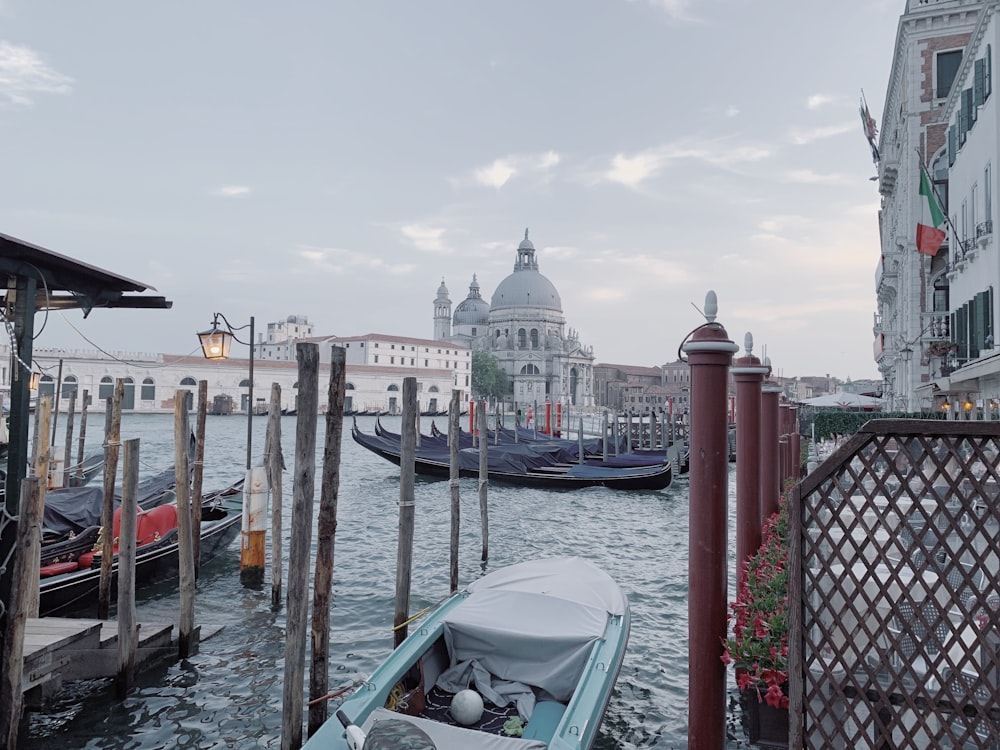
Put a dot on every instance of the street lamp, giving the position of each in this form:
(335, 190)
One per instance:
(215, 344)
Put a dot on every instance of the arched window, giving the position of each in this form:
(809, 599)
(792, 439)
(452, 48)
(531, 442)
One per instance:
(128, 393)
(69, 385)
(189, 381)
(148, 390)
(534, 338)
(433, 389)
(348, 386)
(245, 383)
(530, 370)
(106, 389)
(522, 338)
(46, 386)
(393, 387)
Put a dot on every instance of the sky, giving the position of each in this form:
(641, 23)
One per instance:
(339, 159)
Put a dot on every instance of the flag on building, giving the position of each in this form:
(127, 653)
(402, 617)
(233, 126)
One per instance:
(869, 128)
(929, 236)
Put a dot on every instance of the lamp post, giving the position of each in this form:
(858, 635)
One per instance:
(215, 344)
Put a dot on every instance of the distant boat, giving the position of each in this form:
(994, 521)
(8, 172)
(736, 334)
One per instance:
(544, 464)
(533, 649)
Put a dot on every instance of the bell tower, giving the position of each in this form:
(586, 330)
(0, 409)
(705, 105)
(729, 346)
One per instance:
(442, 314)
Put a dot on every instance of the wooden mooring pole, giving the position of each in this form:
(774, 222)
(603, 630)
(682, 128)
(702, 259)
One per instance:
(198, 474)
(31, 594)
(112, 446)
(274, 460)
(82, 441)
(484, 485)
(407, 502)
(186, 636)
(68, 447)
(710, 354)
(453, 483)
(128, 635)
(319, 672)
(303, 491)
(26, 553)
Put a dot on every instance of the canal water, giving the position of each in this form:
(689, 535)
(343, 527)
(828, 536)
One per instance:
(229, 694)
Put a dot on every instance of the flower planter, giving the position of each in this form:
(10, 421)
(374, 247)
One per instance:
(767, 726)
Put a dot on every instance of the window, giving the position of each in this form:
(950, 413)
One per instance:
(188, 381)
(245, 383)
(974, 194)
(412, 361)
(947, 64)
(392, 360)
(522, 338)
(376, 359)
(107, 388)
(46, 386)
(988, 74)
(393, 387)
(348, 386)
(987, 194)
(69, 385)
(148, 390)
(473, 330)
(426, 363)
(534, 338)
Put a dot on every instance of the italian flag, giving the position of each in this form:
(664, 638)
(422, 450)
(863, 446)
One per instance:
(929, 237)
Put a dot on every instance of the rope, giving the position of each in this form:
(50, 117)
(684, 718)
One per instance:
(335, 693)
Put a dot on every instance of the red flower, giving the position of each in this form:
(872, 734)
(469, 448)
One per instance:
(758, 646)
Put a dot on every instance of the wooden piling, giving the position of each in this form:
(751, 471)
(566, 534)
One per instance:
(453, 483)
(404, 550)
(303, 489)
(83, 437)
(198, 475)
(68, 448)
(484, 486)
(112, 446)
(275, 462)
(128, 635)
(579, 440)
(186, 636)
(31, 595)
(25, 557)
(319, 673)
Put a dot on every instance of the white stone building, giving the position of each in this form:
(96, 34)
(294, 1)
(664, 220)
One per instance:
(913, 290)
(524, 328)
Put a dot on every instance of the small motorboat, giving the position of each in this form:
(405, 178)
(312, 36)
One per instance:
(525, 657)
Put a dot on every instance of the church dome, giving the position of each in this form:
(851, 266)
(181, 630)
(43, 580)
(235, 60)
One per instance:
(473, 310)
(526, 287)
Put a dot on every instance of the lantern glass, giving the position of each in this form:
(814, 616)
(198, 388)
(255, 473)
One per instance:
(215, 343)
(945, 406)
(967, 405)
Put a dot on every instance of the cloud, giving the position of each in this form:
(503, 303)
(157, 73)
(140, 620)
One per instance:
(732, 110)
(426, 238)
(818, 100)
(803, 137)
(495, 175)
(502, 170)
(230, 191)
(633, 170)
(809, 177)
(678, 10)
(24, 74)
(340, 261)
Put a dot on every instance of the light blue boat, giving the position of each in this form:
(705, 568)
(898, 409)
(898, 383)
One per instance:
(547, 637)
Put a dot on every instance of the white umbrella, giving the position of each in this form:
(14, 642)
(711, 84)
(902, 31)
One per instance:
(844, 400)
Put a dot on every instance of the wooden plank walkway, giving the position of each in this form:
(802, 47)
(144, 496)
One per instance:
(57, 649)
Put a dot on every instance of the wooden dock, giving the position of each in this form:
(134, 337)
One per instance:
(58, 649)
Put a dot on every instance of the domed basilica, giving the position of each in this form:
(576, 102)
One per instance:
(523, 327)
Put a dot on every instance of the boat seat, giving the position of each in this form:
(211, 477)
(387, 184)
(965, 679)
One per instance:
(55, 569)
(155, 523)
(544, 719)
(450, 737)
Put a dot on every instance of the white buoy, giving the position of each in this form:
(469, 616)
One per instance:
(467, 707)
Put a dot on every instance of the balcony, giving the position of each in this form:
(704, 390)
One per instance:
(984, 230)
(936, 326)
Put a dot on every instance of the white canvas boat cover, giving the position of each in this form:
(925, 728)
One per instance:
(535, 622)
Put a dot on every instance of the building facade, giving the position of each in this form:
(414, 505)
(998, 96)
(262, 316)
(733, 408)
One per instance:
(914, 316)
(524, 329)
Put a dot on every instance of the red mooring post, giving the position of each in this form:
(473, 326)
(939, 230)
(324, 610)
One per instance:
(770, 482)
(749, 375)
(710, 353)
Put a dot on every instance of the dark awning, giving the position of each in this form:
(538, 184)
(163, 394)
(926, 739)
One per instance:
(64, 283)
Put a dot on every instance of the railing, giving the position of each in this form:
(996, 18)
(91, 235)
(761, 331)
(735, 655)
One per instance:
(984, 228)
(895, 554)
(935, 325)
